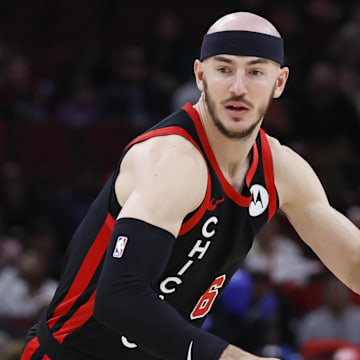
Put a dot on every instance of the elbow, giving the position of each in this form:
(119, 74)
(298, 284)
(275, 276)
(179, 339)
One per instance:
(107, 310)
(102, 308)
(114, 304)
(354, 271)
(355, 285)
(106, 307)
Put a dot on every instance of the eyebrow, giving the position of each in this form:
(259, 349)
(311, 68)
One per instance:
(223, 59)
(258, 61)
(251, 62)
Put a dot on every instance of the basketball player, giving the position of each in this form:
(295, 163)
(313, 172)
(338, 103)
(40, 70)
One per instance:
(167, 232)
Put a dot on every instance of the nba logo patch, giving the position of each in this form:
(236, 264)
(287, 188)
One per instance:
(120, 246)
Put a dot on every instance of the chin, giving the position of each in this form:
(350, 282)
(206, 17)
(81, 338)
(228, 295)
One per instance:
(237, 123)
(237, 128)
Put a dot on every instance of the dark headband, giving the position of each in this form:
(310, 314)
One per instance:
(245, 43)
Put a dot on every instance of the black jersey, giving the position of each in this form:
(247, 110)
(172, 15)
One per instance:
(212, 242)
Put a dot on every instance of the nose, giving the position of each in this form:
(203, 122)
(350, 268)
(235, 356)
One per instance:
(238, 85)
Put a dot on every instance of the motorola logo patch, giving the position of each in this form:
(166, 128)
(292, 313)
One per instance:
(259, 201)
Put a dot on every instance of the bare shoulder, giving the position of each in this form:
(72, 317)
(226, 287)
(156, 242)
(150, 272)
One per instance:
(295, 179)
(284, 158)
(162, 147)
(171, 153)
(167, 170)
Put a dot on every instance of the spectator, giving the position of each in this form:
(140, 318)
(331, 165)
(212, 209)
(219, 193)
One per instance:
(344, 44)
(81, 109)
(76, 200)
(323, 16)
(12, 350)
(42, 236)
(131, 96)
(186, 92)
(349, 82)
(4, 341)
(14, 197)
(244, 309)
(332, 147)
(10, 250)
(336, 319)
(280, 257)
(345, 50)
(317, 114)
(20, 92)
(166, 63)
(252, 314)
(28, 291)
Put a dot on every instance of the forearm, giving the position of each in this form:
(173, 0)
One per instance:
(136, 312)
(126, 302)
(334, 239)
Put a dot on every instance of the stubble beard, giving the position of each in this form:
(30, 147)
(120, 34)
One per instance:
(235, 135)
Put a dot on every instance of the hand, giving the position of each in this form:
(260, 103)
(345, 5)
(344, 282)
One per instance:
(232, 352)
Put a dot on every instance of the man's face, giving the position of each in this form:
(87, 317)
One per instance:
(238, 91)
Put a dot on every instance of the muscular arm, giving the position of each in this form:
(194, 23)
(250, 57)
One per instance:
(330, 234)
(159, 183)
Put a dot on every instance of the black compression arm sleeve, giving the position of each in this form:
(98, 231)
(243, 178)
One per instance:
(135, 259)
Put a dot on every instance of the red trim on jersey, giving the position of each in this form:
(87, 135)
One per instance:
(46, 358)
(80, 317)
(176, 130)
(86, 271)
(254, 165)
(30, 348)
(228, 188)
(170, 130)
(191, 223)
(269, 173)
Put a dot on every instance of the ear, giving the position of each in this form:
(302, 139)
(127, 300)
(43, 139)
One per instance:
(199, 74)
(281, 82)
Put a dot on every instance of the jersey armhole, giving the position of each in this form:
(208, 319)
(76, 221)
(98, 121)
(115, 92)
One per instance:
(269, 174)
(194, 216)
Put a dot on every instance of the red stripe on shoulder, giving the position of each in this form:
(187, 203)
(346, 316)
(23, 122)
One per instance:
(269, 173)
(30, 349)
(254, 165)
(170, 130)
(86, 271)
(46, 358)
(80, 317)
(191, 223)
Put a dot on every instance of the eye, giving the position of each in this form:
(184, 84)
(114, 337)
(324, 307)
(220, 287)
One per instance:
(256, 72)
(224, 70)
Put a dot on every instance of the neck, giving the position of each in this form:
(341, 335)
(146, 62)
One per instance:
(232, 155)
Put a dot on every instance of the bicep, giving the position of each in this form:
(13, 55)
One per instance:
(312, 221)
(167, 184)
(302, 196)
(152, 208)
(296, 181)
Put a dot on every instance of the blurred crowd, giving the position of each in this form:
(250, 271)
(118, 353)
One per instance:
(78, 80)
